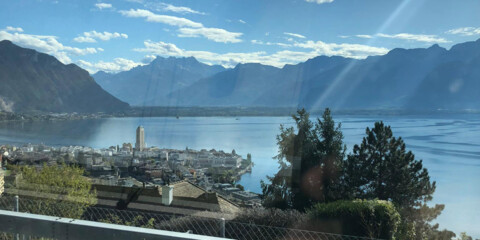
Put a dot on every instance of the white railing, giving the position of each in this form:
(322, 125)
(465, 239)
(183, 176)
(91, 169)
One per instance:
(27, 224)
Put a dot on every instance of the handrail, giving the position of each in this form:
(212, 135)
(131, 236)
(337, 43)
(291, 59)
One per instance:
(73, 229)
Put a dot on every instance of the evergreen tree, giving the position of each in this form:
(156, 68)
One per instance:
(310, 161)
(332, 154)
(382, 168)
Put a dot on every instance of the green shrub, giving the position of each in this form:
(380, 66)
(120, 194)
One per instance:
(57, 190)
(368, 218)
(272, 217)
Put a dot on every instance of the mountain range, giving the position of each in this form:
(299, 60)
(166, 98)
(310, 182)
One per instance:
(405, 79)
(150, 84)
(419, 79)
(37, 82)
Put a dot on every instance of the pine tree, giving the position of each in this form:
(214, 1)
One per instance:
(382, 168)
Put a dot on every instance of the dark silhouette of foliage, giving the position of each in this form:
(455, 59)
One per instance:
(310, 159)
(381, 168)
(369, 218)
(313, 170)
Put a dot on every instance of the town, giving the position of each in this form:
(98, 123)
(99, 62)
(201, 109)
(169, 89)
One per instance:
(137, 165)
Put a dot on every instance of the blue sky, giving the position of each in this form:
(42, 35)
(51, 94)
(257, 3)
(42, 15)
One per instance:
(117, 35)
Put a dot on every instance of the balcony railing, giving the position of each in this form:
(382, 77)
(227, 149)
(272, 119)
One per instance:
(149, 222)
(40, 226)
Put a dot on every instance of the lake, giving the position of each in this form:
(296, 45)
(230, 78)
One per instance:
(448, 144)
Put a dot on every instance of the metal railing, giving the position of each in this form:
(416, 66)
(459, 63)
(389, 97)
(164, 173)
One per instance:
(33, 226)
(217, 227)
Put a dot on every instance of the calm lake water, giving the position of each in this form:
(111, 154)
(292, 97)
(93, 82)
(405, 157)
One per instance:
(449, 146)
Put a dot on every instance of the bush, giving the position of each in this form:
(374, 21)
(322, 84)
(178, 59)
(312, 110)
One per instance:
(57, 190)
(272, 217)
(368, 218)
(137, 221)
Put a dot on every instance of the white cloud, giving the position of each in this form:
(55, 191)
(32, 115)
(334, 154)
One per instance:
(415, 37)
(241, 21)
(103, 5)
(214, 34)
(405, 36)
(165, 19)
(187, 28)
(466, 31)
(82, 39)
(13, 29)
(357, 51)
(93, 35)
(117, 65)
(259, 42)
(161, 48)
(47, 44)
(319, 1)
(294, 35)
(171, 8)
(148, 59)
(364, 36)
(277, 59)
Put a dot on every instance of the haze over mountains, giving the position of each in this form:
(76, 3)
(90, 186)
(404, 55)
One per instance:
(419, 79)
(406, 79)
(33, 81)
(150, 84)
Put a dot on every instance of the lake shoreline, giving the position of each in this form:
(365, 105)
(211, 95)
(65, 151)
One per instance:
(234, 112)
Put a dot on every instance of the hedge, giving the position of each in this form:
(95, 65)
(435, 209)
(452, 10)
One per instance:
(368, 218)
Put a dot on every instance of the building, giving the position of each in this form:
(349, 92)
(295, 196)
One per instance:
(127, 147)
(140, 142)
(184, 198)
(245, 196)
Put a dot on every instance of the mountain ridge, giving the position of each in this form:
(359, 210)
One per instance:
(34, 81)
(150, 84)
(391, 81)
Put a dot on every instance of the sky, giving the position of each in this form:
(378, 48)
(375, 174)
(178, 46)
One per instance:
(117, 35)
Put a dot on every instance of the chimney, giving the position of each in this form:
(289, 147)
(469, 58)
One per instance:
(210, 196)
(167, 195)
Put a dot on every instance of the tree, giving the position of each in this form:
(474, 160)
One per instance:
(332, 153)
(464, 236)
(310, 160)
(222, 175)
(381, 168)
(58, 190)
(240, 186)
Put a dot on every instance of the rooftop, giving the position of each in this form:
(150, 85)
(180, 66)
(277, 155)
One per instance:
(188, 199)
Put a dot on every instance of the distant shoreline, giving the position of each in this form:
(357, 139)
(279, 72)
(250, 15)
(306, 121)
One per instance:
(162, 111)
(180, 112)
